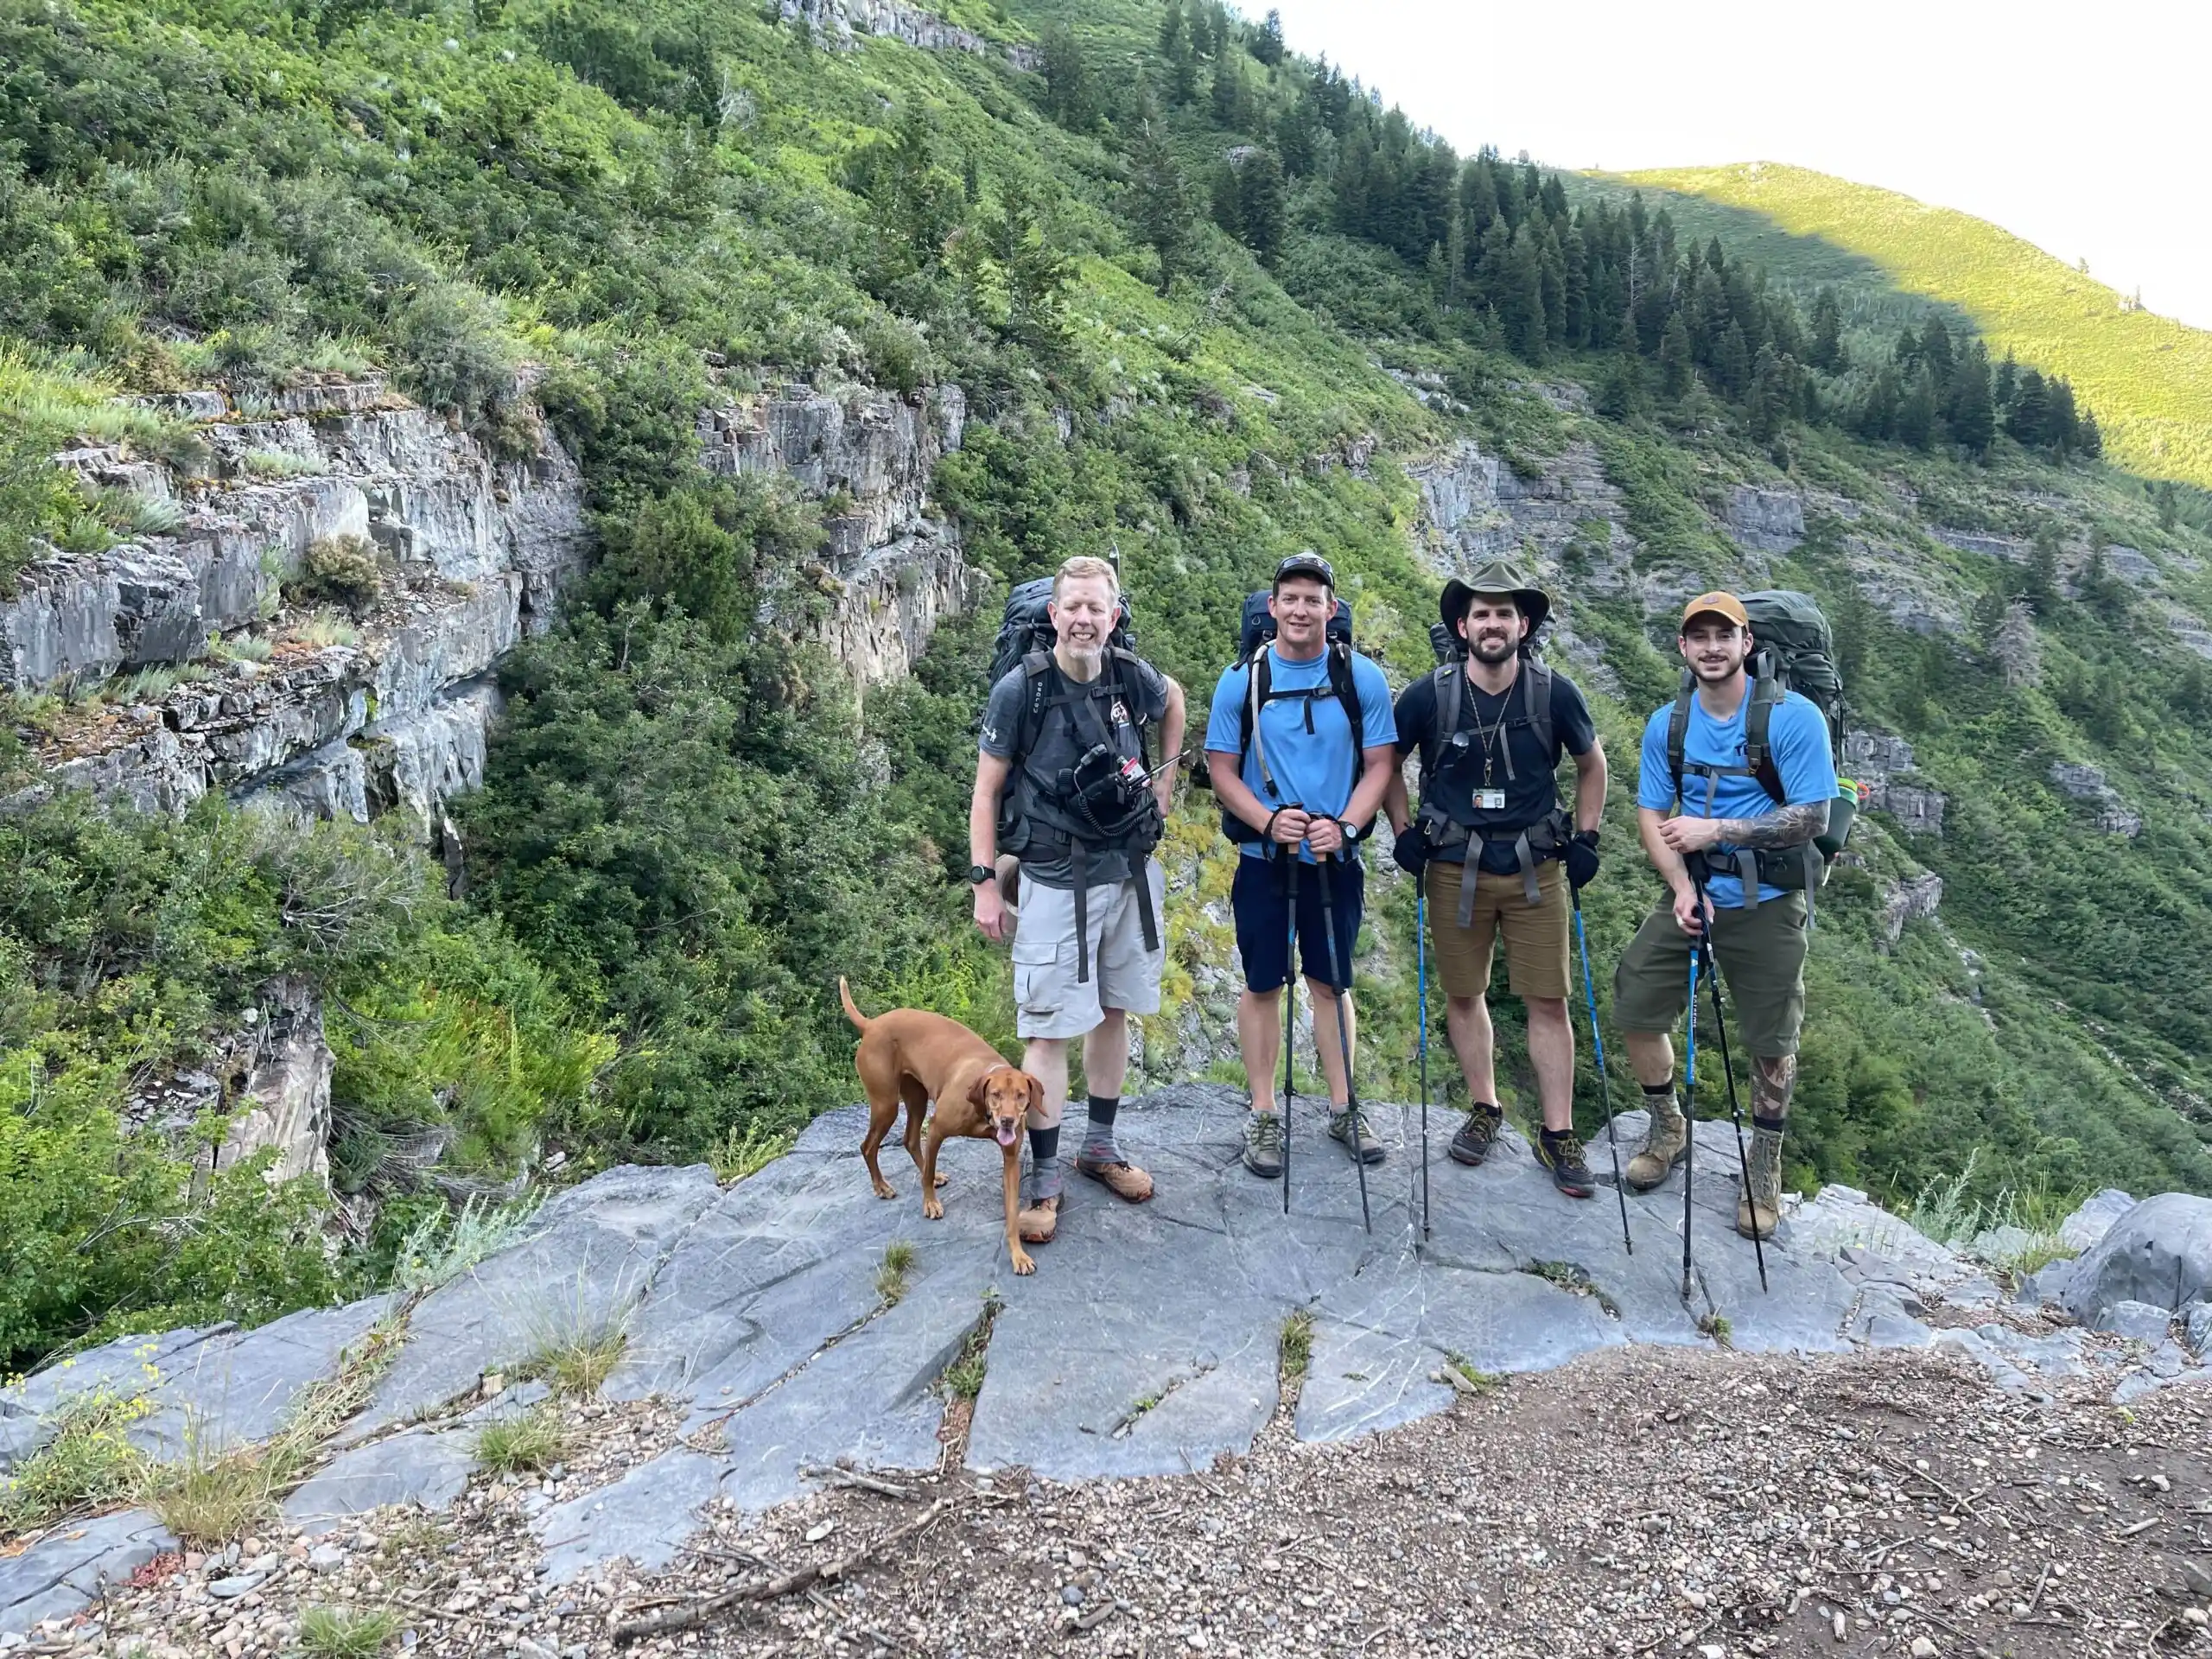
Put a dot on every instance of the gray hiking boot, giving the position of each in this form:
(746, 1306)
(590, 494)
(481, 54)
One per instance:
(1263, 1144)
(1350, 1129)
(1663, 1144)
(1758, 1210)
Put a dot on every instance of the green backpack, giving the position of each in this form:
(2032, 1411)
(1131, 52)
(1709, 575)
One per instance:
(1796, 652)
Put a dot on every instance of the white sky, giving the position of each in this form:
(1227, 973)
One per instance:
(2083, 129)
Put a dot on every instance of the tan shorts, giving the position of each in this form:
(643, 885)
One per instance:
(1048, 1001)
(1536, 963)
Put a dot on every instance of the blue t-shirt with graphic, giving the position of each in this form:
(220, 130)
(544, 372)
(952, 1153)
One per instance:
(1799, 739)
(1314, 770)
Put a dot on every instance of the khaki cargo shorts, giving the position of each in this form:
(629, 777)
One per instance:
(1762, 956)
(1536, 963)
(1048, 999)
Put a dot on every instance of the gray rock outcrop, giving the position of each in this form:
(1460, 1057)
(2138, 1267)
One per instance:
(286, 1100)
(1765, 520)
(1918, 898)
(1882, 763)
(2160, 1252)
(2085, 783)
(835, 22)
(893, 569)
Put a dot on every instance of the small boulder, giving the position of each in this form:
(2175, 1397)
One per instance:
(2160, 1252)
(2137, 1321)
(2094, 1218)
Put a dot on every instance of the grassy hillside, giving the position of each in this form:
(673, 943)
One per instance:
(1249, 300)
(2148, 377)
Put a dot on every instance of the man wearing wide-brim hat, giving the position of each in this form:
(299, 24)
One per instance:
(1495, 851)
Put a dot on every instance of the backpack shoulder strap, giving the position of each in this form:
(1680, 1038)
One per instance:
(1345, 682)
(1678, 733)
(1536, 707)
(1758, 752)
(1033, 664)
(1451, 688)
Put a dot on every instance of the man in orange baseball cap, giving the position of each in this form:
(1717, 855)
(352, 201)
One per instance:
(1734, 815)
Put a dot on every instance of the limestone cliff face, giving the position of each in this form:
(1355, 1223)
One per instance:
(308, 722)
(835, 22)
(892, 568)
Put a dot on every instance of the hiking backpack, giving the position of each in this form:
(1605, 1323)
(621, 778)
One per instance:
(1794, 651)
(1255, 632)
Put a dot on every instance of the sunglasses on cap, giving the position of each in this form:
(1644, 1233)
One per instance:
(1307, 564)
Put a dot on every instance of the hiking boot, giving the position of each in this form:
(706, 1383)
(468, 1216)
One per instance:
(1664, 1143)
(1562, 1154)
(1758, 1210)
(1263, 1144)
(1040, 1221)
(1121, 1177)
(1477, 1135)
(1350, 1129)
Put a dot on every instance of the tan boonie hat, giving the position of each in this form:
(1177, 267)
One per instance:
(1719, 604)
(1499, 576)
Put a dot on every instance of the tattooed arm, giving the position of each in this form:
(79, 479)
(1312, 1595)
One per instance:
(1788, 826)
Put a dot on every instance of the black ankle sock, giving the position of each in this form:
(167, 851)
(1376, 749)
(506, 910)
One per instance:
(1044, 1143)
(1103, 1108)
(1666, 1088)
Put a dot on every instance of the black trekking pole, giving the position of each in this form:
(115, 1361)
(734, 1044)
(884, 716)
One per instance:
(1735, 1112)
(1605, 1086)
(1420, 960)
(1289, 1020)
(1340, 971)
(1689, 1110)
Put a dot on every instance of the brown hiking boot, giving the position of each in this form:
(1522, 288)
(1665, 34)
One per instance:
(1124, 1180)
(1040, 1221)
(1758, 1210)
(1663, 1143)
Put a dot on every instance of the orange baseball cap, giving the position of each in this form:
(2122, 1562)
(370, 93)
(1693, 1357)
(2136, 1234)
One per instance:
(1719, 604)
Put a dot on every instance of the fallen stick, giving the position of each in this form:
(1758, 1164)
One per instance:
(854, 1477)
(664, 1620)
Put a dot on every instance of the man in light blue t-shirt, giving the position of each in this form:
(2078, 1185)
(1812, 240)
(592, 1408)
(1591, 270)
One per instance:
(1740, 816)
(1301, 789)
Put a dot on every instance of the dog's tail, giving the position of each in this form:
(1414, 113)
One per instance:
(861, 1021)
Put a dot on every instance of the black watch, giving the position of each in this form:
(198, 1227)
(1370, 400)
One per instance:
(979, 873)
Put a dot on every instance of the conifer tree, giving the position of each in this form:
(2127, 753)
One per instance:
(1827, 332)
(1230, 106)
(1767, 405)
(1267, 45)
(1972, 413)
(1675, 371)
(2007, 381)
(1935, 349)
(1159, 205)
(1070, 99)
(1262, 204)
(1731, 360)
(1916, 418)
(2028, 418)
(1520, 298)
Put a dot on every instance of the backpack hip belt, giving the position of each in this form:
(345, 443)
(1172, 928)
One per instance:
(1791, 868)
(1532, 844)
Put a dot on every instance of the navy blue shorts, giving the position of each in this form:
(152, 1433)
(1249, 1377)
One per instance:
(1261, 906)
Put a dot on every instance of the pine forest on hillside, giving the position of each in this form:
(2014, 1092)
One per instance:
(1208, 302)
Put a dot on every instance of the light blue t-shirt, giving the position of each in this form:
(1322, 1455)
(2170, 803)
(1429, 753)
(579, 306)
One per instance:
(1796, 735)
(1316, 771)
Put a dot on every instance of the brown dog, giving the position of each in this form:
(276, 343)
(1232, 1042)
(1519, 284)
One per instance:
(909, 1055)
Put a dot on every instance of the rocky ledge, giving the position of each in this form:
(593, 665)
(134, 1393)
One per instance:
(775, 1322)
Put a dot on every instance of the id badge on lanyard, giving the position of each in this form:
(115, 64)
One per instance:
(1489, 800)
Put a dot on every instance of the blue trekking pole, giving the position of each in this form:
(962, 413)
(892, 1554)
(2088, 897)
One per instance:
(1421, 975)
(1341, 975)
(1289, 1022)
(1689, 1119)
(1735, 1109)
(1604, 1087)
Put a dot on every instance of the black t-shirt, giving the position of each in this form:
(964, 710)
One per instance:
(1139, 698)
(1531, 790)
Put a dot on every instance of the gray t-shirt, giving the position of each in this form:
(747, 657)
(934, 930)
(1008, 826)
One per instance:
(1127, 695)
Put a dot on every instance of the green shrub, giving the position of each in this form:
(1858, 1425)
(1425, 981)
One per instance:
(339, 570)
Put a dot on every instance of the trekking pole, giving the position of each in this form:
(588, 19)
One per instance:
(1289, 1024)
(1735, 1112)
(1689, 1115)
(1420, 975)
(1604, 1087)
(1340, 969)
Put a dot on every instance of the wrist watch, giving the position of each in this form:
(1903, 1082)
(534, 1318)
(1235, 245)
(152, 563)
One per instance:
(979, 873)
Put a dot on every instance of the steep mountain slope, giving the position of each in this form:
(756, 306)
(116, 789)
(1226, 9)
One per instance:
(2149, 377)
(935, 301)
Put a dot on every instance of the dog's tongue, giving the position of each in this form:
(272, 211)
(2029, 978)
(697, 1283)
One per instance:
(1006, 1135)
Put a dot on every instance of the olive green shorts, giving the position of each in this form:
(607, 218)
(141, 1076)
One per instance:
(1761, 955)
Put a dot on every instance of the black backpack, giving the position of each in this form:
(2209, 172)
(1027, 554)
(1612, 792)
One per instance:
(1795, 652)
(1026, 630)
(1256, 633)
